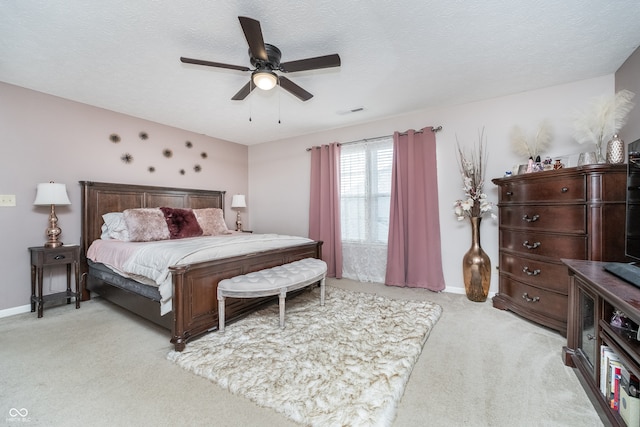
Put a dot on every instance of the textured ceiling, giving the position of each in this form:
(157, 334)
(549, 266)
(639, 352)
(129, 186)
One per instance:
(397, 57)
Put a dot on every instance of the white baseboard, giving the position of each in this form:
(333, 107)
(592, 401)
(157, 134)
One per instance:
(15, 310)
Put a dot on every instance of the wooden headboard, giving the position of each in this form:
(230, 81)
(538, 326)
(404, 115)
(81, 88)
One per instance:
(99, 198)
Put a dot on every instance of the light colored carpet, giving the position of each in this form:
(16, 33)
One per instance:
(102, 366)
(344, 363)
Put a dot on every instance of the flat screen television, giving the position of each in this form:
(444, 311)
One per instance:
(631, 271)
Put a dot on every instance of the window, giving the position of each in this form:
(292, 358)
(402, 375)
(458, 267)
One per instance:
(365, 194)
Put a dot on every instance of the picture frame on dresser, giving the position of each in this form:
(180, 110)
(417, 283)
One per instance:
(573, 213)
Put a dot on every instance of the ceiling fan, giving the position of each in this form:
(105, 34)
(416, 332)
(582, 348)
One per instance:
(266, 60)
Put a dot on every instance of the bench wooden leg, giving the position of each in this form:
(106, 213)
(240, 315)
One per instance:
(283, 297)
(322, 291)
(221, 313)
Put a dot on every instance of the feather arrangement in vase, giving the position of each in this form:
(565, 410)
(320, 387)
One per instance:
(604, 118)
(531, 147)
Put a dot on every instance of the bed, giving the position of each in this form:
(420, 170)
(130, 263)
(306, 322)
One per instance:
(194, 286)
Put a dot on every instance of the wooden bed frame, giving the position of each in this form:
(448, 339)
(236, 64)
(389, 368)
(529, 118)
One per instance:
(195, 286)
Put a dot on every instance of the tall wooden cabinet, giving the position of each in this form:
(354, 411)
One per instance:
(574, 213)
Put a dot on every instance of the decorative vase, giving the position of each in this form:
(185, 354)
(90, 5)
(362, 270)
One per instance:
(615, 150)
(599, 157)
(476, 266)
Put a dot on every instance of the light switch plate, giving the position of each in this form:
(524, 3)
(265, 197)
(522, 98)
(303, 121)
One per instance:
(7, 199)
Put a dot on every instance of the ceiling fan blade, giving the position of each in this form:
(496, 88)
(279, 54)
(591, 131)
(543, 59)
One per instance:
(327, 61)
(213, 64)
(244, 92)
(290, 86)
(253, 34)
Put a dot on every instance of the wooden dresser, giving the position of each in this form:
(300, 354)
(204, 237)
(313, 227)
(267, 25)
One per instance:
(574, 213)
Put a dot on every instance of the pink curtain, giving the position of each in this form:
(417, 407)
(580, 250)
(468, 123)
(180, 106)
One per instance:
(324, 206)
(414, 258)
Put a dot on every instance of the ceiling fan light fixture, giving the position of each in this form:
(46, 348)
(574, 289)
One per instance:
(265, 80)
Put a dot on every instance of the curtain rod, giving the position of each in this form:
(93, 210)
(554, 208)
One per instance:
(435, 129)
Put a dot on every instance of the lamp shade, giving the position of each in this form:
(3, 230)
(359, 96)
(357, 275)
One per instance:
(265, 80)
(52, 193)
(238, 201)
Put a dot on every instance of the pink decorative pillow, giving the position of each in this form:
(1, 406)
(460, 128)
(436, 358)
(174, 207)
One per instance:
(146, 224)
(211, 221)
(181, 223)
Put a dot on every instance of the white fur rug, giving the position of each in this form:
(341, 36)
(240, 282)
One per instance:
(344, 364)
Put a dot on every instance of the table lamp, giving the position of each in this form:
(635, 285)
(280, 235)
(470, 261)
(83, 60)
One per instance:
(238, 202)
(52, 193)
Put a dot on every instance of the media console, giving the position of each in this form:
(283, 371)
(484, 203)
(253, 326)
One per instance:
(594, 296)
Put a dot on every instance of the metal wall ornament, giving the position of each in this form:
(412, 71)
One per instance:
(143, 136)
(114, 137)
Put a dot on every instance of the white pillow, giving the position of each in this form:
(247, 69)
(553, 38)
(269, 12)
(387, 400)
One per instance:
(114, 227)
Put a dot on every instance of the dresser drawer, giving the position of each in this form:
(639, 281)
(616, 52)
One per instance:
(559, 189)
(538, 273)
(532, 299)
(544, 244)
(565, 219)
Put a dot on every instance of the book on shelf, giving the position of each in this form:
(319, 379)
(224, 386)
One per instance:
(607, 355)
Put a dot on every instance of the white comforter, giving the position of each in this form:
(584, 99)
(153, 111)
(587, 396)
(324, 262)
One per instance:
(149, 262)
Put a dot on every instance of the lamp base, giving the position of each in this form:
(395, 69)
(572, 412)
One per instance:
(238, 222)
(53, 231)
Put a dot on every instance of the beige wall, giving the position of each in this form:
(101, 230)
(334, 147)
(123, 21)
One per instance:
(628, 77)
(279, 171)
(47, 138)
(44, 138)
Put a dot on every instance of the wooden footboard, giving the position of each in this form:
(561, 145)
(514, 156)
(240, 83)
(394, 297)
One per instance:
(195, 304)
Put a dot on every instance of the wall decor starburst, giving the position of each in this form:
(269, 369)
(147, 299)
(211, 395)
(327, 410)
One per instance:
(203, 155)
(197, 168)
(114, 137)
(151, 169)
(182, 172)
(126, 158)
(167, 153)
(143, 136)
(188, 144)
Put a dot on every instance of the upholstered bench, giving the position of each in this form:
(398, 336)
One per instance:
(272, 281)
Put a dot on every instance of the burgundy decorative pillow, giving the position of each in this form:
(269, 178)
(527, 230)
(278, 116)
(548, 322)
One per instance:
(146, 224)
(182, 223)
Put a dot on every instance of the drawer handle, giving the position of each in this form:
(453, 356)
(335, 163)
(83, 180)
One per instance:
(527, 298)
(531, 219)
(564, 189)
(528, 246)
(529, 272)
(509, 193)
(57, 257)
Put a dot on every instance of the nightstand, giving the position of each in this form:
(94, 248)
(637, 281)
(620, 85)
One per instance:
(42, 257)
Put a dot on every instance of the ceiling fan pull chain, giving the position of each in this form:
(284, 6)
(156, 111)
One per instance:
(250, 102)
(279, 103)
